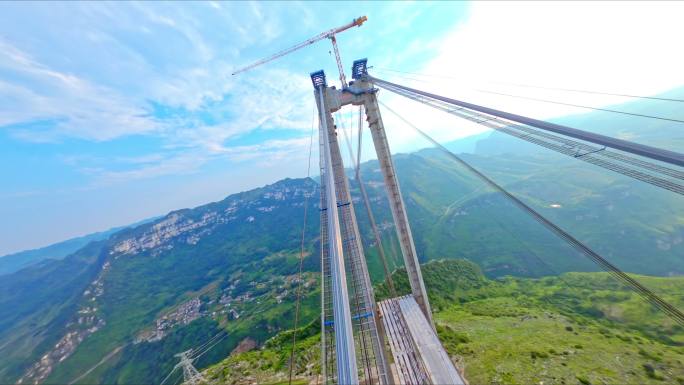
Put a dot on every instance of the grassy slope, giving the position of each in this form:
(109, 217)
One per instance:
(579, 328)
(502, 341)
(527, 331)
(270, 364)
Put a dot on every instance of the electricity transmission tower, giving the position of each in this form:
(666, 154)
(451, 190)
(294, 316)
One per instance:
(191, 376)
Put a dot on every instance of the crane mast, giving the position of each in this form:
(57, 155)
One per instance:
(325, 35)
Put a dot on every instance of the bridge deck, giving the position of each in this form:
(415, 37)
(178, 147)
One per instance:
(418, 355)
(409, 367)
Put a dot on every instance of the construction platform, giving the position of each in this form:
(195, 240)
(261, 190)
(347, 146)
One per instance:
(419, 357)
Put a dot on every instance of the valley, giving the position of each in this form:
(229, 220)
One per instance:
(153, 290)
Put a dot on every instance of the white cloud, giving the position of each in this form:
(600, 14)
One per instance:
(157, 52)
(75, 106)
(629, 47)
(259, 156)
(127, 56)
(607, 46)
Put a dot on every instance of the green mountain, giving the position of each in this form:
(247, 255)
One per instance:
(16, 261)
(576, 328)
(452, 214)
(13, 262)
(138, 287)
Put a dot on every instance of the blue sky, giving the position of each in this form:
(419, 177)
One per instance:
(114, 112)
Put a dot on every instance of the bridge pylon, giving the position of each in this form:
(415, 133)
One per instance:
(346, 265)
(356, 354)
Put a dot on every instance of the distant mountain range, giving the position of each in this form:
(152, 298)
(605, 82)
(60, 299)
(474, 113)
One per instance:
(16, 261)
(117, 309)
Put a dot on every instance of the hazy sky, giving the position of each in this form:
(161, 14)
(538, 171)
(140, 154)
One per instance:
(114, 112)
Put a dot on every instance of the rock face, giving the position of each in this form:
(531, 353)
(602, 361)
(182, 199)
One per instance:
(185, 226)
(244, 346)
(171, 227)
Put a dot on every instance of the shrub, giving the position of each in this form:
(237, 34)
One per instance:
(652, 372)
(649, 355)
(624, 338)
(535, 355)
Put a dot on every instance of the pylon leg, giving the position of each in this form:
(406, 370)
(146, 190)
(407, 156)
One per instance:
(408, 248)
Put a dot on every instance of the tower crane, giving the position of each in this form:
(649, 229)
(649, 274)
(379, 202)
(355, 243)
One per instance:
(325, 35)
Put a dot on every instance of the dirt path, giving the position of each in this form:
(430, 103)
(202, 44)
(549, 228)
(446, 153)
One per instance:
(102, 361)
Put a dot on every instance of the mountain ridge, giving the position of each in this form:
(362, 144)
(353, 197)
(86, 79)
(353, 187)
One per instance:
(13, 262)
(158, 288)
